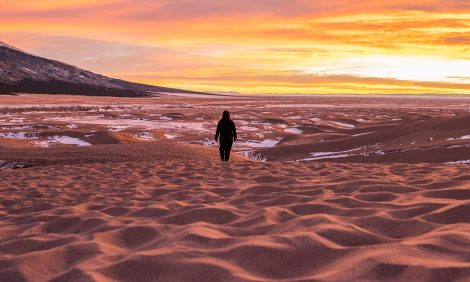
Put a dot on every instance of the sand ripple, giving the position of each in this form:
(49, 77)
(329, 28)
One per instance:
(204, 221)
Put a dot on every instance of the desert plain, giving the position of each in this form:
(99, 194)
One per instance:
(319, 188)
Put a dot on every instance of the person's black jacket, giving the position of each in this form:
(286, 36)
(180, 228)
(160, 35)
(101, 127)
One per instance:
(226, 130)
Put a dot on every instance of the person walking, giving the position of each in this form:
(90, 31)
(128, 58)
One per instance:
(226, 134)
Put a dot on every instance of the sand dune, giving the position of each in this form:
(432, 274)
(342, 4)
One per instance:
(109, 189)
(201, 220)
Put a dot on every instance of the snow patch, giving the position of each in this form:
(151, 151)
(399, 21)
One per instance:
(360, 134)
(117, 127)
(66, 140)
(146, 136)
(465, 137)
(253, 155)
(330, 155)
(293, 130)
(20, 135)
(467, 162)
(209, 142)
(266, 143)
(170, 136)
(342, 124)
(11, 165)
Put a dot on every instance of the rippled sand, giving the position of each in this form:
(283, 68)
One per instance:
(202, 220)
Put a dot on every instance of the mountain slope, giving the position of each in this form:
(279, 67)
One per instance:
(21, 72)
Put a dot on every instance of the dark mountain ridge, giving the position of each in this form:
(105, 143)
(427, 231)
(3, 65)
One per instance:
(21, 72)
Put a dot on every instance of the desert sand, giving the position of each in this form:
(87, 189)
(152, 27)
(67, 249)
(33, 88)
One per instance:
(159, 209)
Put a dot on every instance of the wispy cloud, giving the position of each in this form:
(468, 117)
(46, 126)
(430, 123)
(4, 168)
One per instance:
(302, 46)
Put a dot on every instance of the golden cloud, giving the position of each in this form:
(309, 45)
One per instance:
(255, 46)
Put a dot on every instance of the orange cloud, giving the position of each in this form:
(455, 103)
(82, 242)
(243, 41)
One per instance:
(255, 46)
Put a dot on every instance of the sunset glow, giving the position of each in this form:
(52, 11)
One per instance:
(264, 46)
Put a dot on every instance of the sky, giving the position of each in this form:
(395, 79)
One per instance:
(255, 46)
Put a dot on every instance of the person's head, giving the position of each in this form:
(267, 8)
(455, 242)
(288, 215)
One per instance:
(226, 115)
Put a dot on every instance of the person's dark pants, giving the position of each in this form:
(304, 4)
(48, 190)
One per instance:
(225, 147)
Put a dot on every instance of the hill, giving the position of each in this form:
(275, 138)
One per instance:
(21, 72)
